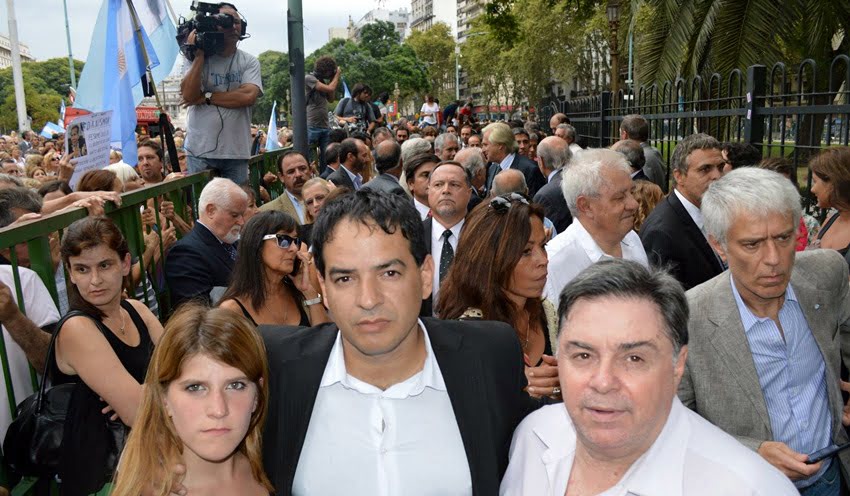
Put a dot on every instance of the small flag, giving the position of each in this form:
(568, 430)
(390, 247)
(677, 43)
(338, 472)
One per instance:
(346, 93)
(271, 138)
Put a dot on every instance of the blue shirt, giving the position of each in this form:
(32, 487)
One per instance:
(792, 374)
(296, 203)
(356, 179)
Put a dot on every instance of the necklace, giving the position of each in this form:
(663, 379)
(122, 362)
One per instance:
(122, 321)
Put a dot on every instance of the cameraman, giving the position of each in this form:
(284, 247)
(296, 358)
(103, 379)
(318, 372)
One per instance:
(357, 110)
(219, 89)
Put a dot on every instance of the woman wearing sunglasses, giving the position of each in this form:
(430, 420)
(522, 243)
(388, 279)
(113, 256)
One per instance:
(498, 273)
(271, 278)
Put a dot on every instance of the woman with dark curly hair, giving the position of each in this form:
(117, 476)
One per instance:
(271, 278)
(499, 273)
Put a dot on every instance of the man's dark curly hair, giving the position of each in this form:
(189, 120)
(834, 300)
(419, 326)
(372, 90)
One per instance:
(325, 67)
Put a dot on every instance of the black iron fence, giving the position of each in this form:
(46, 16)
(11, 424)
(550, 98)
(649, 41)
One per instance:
(792, 112)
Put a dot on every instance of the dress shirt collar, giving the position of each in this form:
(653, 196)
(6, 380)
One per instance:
(748, 318)
(421, 208)
(210, 231)
(589, 245)
(507, 161)
(296, 203)
(692, 210)
(437, 229)
(665, 456)
(355, 178)
(430, 375)
(552, 175)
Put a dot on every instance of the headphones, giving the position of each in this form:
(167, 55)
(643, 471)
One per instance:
(243, 34)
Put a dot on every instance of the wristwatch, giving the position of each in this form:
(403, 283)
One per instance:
(208, 97)
(314, 301)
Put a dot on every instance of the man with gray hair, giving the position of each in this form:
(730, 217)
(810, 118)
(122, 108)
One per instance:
(635, 127)
(500, 148)
(598, 190)
(768, 337)
(633, 152)
(446, 146)
(673, 234)
(622, 351)
(552, 156)
(472, 159)
(199, 265)
(568, 133)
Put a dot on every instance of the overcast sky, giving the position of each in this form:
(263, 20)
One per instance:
(41, 24)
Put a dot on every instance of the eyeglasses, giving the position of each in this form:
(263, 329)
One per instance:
(284, 240)
(502, 204)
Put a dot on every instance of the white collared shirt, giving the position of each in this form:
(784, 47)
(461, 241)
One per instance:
(507, 161)
(693, 210)
(400, 441)
(299, 208)
(356, 179)
(421, 208)
(690, 457)
(437, 231)
(574, 250)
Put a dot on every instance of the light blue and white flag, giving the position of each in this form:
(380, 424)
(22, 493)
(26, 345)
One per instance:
(271, 137)
(111, 79)
(345, 92)
(61, 120)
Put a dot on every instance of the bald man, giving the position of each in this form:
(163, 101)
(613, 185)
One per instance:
(553, 155)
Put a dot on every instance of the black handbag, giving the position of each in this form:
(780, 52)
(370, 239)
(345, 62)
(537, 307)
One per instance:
(33, 442)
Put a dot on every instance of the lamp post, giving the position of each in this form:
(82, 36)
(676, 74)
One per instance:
(457, 72)
(396, 94)
(613, 12)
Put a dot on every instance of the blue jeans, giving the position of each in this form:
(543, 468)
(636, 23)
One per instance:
(235, 169)
(829, 483)
(322, 137)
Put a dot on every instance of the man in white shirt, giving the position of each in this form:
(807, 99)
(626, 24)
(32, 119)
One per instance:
(449, 190)
(597, 187)
(382, 402)
(622, 349)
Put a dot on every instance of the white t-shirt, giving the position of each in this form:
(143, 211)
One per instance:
(431, 108)
(41, 310)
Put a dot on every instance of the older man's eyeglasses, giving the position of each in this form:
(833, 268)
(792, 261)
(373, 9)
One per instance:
(284, 240)
(502, 204)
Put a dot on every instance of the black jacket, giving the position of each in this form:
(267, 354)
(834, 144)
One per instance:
(385, 183)
(533, 177)
(195, 265)
(482, 366)
(672, 239)
(341, 178)
(554, 204)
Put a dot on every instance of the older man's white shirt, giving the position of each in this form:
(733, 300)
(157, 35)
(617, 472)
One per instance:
(574, 250)
(690, 457)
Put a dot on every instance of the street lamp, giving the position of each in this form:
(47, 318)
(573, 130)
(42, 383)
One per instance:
(613, 12)
(396, 94)
(457, 72)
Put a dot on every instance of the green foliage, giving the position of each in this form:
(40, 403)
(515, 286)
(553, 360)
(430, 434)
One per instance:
(274, 67)
(45, 84)
(379, 38)
(435, 47)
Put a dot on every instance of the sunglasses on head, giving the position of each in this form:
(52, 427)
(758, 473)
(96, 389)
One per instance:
(502, 204)
(284, 240)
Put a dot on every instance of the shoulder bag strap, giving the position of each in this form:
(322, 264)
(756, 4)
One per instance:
(50, 350)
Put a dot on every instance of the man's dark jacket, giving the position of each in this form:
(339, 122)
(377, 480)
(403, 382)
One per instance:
(385, 183)
(672, 239)
(341, 178)
(533, 177)
(482, 367)
(195, 265)
(554, 204)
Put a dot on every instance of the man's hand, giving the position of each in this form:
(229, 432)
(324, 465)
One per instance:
(845, 417)
(8, 307)
(543, 379)
(166, 209)
(66, 167)
(269, 178)
(791, 463)
(26, 217)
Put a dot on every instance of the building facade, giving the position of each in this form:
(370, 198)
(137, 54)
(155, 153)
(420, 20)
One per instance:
(6, 52)
(169, 95)
(426, 13)
(399, 18)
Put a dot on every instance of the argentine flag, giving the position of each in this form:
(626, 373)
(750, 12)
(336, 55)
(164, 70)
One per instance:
(111, 79)
(271, 138)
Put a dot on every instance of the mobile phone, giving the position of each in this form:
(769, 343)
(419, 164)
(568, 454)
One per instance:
(824, 453)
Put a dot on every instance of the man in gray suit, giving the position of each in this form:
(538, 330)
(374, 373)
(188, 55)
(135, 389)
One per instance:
(388, 163)
(635, 127)
(767, 336)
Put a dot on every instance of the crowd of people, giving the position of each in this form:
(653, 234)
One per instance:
(443, 306)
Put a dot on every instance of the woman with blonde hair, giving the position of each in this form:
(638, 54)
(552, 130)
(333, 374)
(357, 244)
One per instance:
(647, 195)
(203, 406)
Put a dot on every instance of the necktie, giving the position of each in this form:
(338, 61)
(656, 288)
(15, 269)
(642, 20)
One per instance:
(446, 255)
(231, 250)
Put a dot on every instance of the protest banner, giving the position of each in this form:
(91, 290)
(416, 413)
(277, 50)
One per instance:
(87, 142)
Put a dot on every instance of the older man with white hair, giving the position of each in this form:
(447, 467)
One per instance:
(446, 146)
(199, 265)
(500, 148)
(769, 335)
(472, 159)
(553, 155)
(597, 187)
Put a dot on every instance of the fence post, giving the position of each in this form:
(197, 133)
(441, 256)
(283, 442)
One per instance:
(604, 122)
(754, 124)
